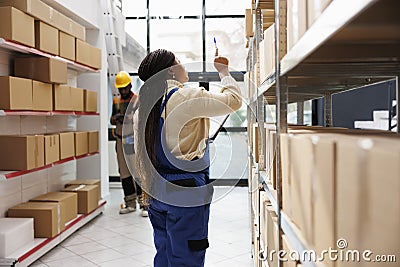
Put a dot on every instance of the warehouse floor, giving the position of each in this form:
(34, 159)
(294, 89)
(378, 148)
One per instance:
(126, 240)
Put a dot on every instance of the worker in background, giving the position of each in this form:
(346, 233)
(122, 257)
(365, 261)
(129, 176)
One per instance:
(171, 142)
(132, 191)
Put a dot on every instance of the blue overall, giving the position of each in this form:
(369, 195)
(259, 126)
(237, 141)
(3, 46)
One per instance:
(180, 231)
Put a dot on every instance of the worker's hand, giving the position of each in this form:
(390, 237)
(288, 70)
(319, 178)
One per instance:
(221, 64)
(118, 118)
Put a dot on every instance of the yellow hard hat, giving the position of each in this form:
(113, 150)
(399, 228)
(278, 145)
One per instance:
(122, 79)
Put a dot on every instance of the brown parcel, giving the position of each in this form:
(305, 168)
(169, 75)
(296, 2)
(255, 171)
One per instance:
(46, 38)
(323, 200)
(41, 69)
(62, 99)
(68, 205)
(301, 159)
(67, 46)
(86, 182)
(23, 152)
(93, 141)
(88, 54)
(90, 101)
(67, 145)
(51, 148)
(81, 143)
(17, 26)
(249, 23)
(77, 98)
(45, 217)
(88, 199)
(368, 202)
(42, 96)
(272, 234)
(16, 93)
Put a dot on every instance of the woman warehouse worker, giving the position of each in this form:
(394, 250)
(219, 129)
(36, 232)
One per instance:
(172, 159)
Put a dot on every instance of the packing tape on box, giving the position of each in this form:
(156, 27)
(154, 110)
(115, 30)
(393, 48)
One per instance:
(365, 145)
(51, 13)
(79, 187)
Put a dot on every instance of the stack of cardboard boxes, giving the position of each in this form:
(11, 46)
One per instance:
(36, 24)
(53, 211)
(27, 152)
(39, 82)
(38, 86)
(338, 189)
(333, 186)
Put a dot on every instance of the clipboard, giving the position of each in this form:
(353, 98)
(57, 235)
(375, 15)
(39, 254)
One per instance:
(215, 133)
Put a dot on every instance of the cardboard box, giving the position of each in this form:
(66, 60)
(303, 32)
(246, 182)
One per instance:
(68, 205)
(88, 54)
(77, 97)
(51, 148)
(315, 9)
(14, 234)
(267, 56)
(67, 145)
(67, 46)
(255, 142)
(248, 23)
(81, 143)
(264, 203)
(323, 200)
(15, 93)
(272, 139)
(86, 182)
(69, 26)
(88, 198)
(285, 160)
(17, 26)
(90, 101)
(287, 247)
(272, 235)
(93, 141)
(45, 217)
(296, 21)
(45, 13)
(301, 158)
(62, 99)
(23, 152)
(42, 69)
(42, 96)
(368, 174)
(46, 38)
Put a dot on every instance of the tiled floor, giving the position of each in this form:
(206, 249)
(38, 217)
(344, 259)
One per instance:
(127, 240)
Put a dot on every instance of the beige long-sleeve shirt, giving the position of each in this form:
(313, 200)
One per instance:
(187, 115)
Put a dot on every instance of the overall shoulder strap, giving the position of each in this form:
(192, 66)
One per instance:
(167, 98)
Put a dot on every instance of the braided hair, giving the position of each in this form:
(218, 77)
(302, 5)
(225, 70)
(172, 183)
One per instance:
(150, 100)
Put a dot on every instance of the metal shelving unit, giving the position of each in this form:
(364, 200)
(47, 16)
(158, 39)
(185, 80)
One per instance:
(28, 254)
(351, 45)
(45, 113)
(5, 175)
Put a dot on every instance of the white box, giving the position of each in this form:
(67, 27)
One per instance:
(14, 234)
